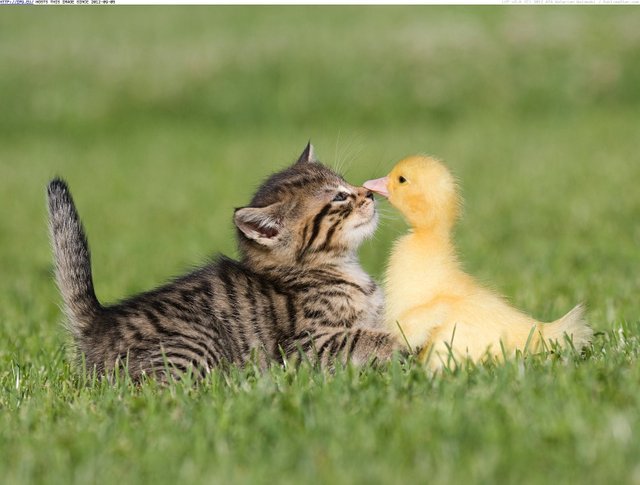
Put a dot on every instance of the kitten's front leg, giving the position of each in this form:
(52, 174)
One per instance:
(327, 345)
(373, 315)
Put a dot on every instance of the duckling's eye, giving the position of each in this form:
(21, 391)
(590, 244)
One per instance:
(401, 179)
(340, 197)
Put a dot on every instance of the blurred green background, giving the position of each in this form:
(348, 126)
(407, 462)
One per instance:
(164, 119)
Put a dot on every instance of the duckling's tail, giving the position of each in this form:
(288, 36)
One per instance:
(572, 325)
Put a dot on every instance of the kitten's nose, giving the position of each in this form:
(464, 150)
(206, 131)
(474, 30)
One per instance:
(369, 195)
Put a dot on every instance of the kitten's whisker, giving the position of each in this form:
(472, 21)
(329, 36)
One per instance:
(338, 155)
(355, 150)
(335, 153)
(387, 213)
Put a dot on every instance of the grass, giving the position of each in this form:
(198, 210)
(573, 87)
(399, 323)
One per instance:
(163, 120)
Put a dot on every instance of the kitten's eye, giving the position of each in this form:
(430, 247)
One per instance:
(340, 197)
(401, 179)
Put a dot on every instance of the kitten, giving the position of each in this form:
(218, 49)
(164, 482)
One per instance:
(298, 286)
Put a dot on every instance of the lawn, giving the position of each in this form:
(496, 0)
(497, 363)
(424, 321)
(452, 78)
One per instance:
(163, 120)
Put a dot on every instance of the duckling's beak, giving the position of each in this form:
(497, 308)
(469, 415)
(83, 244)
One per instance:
(379, 186)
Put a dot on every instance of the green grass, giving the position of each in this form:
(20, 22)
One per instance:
(164, 120)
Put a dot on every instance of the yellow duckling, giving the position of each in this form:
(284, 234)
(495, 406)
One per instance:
(438, 306)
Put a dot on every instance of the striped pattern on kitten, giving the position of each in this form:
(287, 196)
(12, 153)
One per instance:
(297, 288)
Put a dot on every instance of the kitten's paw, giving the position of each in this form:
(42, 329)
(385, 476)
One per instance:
(377, 347)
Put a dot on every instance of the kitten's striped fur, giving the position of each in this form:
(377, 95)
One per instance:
(298, 286)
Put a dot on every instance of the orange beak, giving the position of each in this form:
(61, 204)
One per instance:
(379, 186)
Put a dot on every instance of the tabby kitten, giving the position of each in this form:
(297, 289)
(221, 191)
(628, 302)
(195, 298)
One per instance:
(298, 286)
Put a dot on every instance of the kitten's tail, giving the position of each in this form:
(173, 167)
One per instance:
(572, 325)
(72, 259)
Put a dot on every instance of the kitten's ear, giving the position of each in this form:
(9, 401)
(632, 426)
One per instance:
(307, 156)
(260, 224)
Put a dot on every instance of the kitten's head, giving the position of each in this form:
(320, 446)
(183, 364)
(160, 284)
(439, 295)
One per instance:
(305, 213)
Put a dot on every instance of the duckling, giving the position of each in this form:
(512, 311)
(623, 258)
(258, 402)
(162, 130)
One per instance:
(431, 301)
